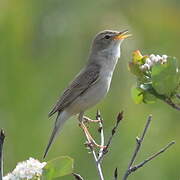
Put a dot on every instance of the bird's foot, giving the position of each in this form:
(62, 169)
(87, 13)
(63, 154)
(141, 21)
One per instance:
(90, 141)
(93, 144)
(87, 120)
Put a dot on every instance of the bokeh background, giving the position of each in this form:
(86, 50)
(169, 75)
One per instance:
(44, 43)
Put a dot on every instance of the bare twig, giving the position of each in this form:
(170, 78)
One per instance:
(166, 99)
(2, 136)
(98, 165)
(101, 130)
(133, 169)
(139, 141)
(105, 150)
(178, 96)
(119, 118)
(116, 174)
(77, 176)
(171, 103)
(98, 117)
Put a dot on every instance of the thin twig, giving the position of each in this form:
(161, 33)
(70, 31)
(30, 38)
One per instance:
(98, 158)
(165, 99)
(171, 103)
(98, 165)
(133, 169)
(101, 130)
(178, 96)
(116, 174)
(137, 148)
(2, 136)
(77, 176)
(139, 141)
(98, 117)
(119, 118)
(105, 150)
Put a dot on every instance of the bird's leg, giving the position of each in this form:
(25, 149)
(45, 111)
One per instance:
(84, 128)
(90, 139)
(87, 119)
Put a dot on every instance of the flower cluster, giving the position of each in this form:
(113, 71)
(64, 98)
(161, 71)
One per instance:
(152, 60)
(28, 169)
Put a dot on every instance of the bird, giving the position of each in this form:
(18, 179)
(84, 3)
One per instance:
(92, 83)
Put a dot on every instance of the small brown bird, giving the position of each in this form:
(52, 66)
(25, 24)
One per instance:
(92, 83)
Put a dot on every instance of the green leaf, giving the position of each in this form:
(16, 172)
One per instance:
(137, 95)
(58, 167)
(165, 77)
(148, 98)
(134, 68)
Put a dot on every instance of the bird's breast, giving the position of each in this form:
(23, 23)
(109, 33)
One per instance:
(98, 90)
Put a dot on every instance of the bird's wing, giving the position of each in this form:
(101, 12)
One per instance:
(77, 87)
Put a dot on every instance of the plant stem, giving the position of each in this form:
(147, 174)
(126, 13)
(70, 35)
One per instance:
(2, 136)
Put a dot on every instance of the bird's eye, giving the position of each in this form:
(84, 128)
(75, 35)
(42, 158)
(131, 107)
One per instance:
(107, 36)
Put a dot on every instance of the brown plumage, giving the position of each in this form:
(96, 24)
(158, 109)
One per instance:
(92, 83)
(78, 86)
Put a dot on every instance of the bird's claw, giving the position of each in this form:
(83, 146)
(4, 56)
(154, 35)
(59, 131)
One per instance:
(88, 120)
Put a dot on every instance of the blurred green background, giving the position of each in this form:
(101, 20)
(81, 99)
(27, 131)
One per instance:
(44, 43)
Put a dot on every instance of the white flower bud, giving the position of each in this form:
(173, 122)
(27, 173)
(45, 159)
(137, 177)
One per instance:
(148, 61)
(142, 67)
(158, 57)
(148, 66)
(151, 56)
(156, 60)
(164, 56)
(164, 61)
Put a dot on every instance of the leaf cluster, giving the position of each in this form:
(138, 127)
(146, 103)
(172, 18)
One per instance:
(161, 81)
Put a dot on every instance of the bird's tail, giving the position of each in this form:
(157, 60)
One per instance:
(60, 120)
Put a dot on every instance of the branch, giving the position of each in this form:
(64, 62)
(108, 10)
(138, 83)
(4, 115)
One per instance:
(119, 118)
(105, 150)
(178, 96)
(98, 164)
(101, 131)
(165, 99)
(116, 174)
(171, 103)
(2, 137)
(139, 141)
(133, 169)
(77, 176)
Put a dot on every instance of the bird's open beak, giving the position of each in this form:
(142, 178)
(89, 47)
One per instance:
(122, 35)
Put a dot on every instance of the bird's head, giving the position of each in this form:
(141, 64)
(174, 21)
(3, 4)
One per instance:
(109, 40)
